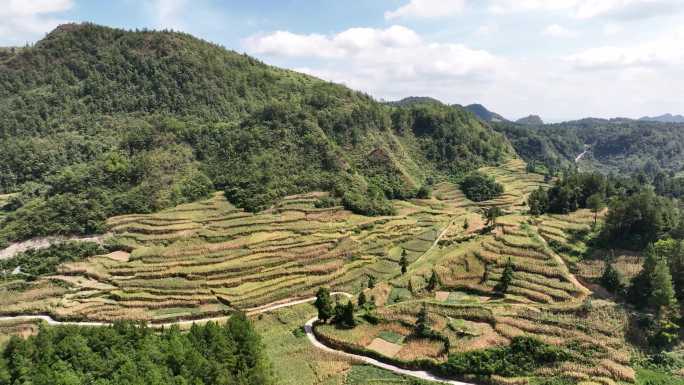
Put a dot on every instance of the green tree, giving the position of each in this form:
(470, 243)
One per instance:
(538, 201)
(433, 281)
(348, 319)
(662, 296)
(479, 187)
(610, 279)
(506, 278)
(362, 299)
(403, 262)
(491, 214)
(641, 286)
(423, 322)
(371, 281)
(324, 304)
(596, 203)
(466, 225)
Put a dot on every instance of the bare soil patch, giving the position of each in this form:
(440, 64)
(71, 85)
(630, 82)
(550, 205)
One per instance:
(384, 347)
(441, 295)
(120, 256)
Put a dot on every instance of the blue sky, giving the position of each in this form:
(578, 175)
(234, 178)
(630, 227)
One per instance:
(561, 59)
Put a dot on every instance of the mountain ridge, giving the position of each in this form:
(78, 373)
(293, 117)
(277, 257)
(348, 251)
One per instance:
(98, 121)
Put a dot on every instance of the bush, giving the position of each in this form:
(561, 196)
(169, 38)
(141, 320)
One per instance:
(479, 187)
(36, 262)
(521, 357)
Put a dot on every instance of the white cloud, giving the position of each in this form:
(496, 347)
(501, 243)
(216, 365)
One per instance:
(587, 9)
(612, 29)
(168, 13)
(558, 31)
(427, 9)
(487, 29)
(26, 20)
(664, 51)
(386, 62)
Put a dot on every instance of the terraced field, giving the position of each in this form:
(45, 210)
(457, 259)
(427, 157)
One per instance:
(208, 259)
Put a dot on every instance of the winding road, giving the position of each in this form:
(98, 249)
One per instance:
(308, 328)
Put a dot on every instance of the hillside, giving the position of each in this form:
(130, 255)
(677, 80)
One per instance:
(483, 113)
(96, 122)
(615, 145)
(532, 120)
(665, 118)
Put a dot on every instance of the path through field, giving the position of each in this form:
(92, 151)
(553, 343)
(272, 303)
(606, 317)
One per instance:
(308, 328)
(421, 374)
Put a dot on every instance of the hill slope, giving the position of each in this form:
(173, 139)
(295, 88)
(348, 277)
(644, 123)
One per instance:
(666, 118)
(483, 113)
(96, 121)
(615, 145)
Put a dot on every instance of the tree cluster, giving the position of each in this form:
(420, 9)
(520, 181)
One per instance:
(128, 353)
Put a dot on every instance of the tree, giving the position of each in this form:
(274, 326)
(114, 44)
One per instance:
(479, 187)
(466, 225)
(538, 201)
(491, 214)
(611, 279)
(424, 192)
(506, 278)
(641, 286)
(433, 281)
(348, 315)
(338, 312)
(403, 262)
(596, 203)
(362, 299)
(371, 281)
(662, 296)
(324, 304)
(423, 322)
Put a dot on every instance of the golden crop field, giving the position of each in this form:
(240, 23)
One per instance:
(208, 259)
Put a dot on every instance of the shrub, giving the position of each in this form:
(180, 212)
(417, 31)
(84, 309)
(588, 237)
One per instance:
(521, 357)
(479, 187)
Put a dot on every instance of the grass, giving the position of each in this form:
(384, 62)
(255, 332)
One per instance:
(648, 377)
(391, 336)
(371, 375)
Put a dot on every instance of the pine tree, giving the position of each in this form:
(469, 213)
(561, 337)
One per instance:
(432, 283)
(423, 322)
(596, 203)
(348, 315)
(611, 279)
(662, 296)
(641, 286)
(324, 304)
(403, 262)
(362, 299)
(506, 278)
(466, 225)
(371, 282)
(338, 312)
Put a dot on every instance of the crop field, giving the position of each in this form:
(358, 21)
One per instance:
(21, 328)
(208, 259)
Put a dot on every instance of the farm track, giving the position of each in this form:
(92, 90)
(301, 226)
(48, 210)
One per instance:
(308, 328)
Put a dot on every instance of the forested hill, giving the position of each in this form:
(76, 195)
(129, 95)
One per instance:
(615, 145)
(96, 121)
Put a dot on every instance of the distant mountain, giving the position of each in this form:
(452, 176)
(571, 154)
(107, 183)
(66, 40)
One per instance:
(413, 100)
(667, 118)
(532, 120)
(483, 113)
